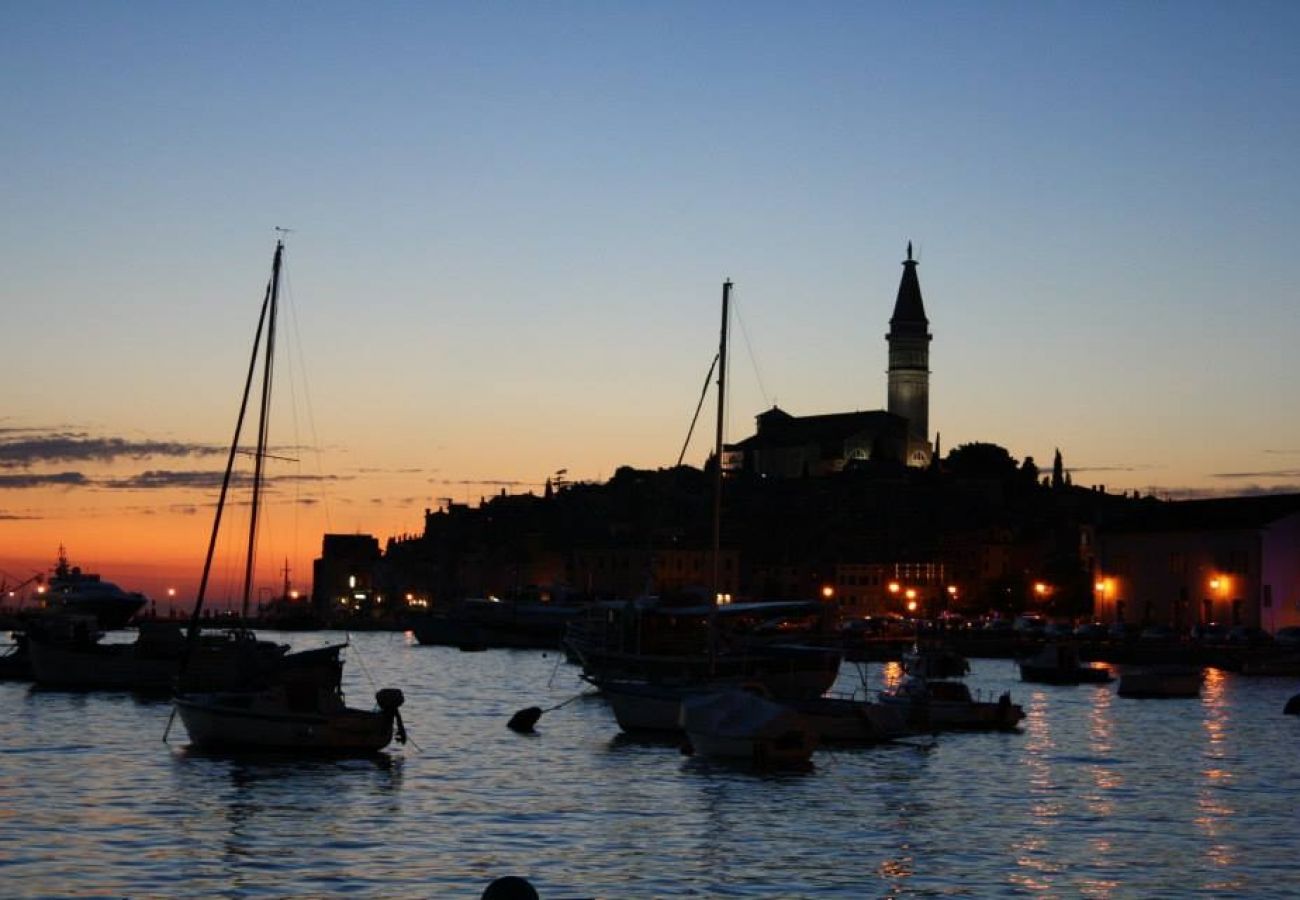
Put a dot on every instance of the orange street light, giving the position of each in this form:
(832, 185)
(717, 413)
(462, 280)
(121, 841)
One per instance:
(828, 592)
(894, 587)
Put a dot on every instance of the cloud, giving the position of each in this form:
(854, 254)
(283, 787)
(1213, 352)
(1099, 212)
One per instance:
(52, 479)
(23, 452)
(204, 479)
(1276, 473)
(165, 479)
(15, 517)
(489, 482)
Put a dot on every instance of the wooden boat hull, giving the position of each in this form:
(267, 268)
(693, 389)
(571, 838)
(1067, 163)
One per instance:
(1059, 663)
(240, 721)
(1054, 675)
(949, 706)
(215, 666)
(1157, 683)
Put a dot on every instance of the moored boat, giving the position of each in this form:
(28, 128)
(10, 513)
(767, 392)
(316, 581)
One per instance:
(938, 705)
(290, 717)
(741, 725)
(1060, 664)
(70, 590)
(934, 661)
(1174, 681)
(293, 710)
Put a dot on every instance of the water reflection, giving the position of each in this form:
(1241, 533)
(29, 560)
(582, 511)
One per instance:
(1081, 803)
(1214, 811)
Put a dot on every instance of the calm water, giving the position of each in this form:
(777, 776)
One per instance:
(1097, 797)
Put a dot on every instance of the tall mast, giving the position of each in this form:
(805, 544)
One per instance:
(717, 444)
(263, 426)
(195, 617)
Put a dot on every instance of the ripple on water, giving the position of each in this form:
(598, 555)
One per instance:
(1079, 803)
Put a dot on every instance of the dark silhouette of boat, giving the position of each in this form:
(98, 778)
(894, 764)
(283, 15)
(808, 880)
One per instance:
(70, 590)
(288, 708)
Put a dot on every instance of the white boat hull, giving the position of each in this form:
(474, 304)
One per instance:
(739, 725)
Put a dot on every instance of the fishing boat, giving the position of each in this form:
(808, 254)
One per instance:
(1060, 664)
(685, 647)
(292, 710)
(647, 707)
(743, 725)
(312, 719)
(1169, 681)
(935, 661)
(939, 705)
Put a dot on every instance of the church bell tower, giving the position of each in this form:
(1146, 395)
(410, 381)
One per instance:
(909, 363)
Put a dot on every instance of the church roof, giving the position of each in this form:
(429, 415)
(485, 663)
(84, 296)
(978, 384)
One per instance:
(777, 428)
(909, 310)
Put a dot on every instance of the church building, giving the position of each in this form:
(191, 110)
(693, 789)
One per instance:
(787, 446)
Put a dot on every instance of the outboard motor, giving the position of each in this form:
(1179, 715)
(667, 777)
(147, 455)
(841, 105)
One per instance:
(390, 700)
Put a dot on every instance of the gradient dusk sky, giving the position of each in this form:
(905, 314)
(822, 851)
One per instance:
(512, 222)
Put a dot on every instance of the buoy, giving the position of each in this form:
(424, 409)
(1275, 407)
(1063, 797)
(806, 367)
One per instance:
(390, 700)
(510, 887)
(1292, 707)
(524, 720)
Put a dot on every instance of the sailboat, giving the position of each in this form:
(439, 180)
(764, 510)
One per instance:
(646, 658)
(289, 707)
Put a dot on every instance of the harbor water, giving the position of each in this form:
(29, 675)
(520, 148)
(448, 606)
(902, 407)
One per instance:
(1095, 796)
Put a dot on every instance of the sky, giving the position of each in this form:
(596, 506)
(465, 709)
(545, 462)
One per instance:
(511, 223)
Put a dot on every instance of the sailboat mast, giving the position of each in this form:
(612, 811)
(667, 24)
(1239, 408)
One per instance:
(263, 426)
(717, 444)
(195, 617)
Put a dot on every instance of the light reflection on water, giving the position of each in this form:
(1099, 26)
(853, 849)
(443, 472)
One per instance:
(1081, 802)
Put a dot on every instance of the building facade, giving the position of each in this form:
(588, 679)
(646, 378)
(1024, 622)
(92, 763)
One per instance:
(1231, 561)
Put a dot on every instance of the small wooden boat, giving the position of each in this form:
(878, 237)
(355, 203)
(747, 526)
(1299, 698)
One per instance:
(936, 705)
(284, 718)
(1060, 664)
(741, 725)
(935, 661)
(1161, 681)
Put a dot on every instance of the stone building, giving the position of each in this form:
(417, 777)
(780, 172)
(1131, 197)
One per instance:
(1232, 560)
(788, 446)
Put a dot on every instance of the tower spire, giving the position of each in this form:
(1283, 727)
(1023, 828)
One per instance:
(909, 362)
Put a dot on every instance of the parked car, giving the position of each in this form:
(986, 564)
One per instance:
(1288, 636)
(1091, 631)
(1029, 623)
(1058, 630)
(1121, 631)
(1209, 632)
(1247, 634)
(1157, 634)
